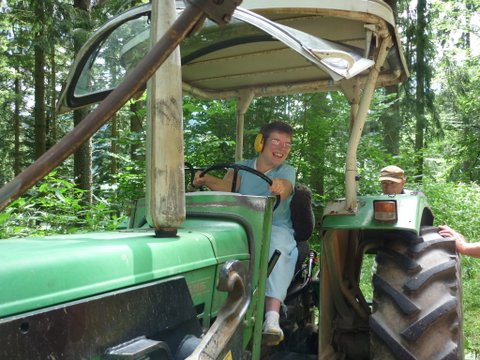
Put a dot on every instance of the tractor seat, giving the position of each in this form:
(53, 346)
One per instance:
(303, 220)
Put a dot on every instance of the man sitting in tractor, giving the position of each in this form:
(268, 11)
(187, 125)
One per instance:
(273, 144)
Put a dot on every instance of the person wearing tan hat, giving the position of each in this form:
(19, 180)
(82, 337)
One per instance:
(392, 179)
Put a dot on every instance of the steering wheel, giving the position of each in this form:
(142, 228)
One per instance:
(236, 168)
(190, 170)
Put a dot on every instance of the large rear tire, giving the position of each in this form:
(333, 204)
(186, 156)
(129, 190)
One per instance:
(417, 301)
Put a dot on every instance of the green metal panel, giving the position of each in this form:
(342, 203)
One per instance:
(38, 272)
(255, 212)
(410, 209)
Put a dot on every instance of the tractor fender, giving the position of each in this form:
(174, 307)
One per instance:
(412, 213)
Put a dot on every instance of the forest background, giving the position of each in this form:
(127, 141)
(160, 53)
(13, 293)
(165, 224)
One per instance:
(430, 126)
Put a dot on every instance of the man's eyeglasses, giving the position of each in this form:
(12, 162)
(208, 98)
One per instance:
(277, 142)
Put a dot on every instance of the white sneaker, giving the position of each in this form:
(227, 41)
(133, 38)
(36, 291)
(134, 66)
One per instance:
(272, 334)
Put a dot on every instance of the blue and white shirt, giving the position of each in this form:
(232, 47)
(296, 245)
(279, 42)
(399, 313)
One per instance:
(251, 184)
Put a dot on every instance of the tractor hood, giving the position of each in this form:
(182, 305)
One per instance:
(41, 272)
(269, 49)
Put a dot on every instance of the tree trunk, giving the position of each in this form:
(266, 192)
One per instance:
(392, 123)
(316, 140)
(135, 127)
(52, 129)
(468, 164)
(113, 136)
(16, 120)
(82, 163)
(39, 76)
(391, 119)
(420, 88)
(113, 145)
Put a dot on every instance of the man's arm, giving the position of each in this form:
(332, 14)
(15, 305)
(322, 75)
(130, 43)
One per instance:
(214, 183)
(284, 182)
(471, 249)
(463, 247)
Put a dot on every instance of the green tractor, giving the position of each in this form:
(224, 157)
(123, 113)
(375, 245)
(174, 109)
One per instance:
(186, 277)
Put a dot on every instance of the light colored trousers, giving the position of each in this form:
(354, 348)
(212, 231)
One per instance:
(279, 280)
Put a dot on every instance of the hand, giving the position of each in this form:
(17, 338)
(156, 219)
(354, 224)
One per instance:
(460, 243)
(281, 187)
(277, 187)
(198, 180)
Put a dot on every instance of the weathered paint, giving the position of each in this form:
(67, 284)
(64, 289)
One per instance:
(165, 174)
(410, 210)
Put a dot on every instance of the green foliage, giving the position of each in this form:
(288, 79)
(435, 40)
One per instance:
(458, 205)
(458, 100)
(54, 207)
(450, 156)
(367, 271)
(208, 134)
(455, 203)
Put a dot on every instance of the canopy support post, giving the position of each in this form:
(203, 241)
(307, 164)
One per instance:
(359, 122)
(165, 182)
(243, 102)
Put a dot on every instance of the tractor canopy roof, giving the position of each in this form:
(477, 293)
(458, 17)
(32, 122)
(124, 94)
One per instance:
(268, 48)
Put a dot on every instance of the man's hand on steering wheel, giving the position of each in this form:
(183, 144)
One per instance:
(199, 180)
(221, 184)
(281, 187)
(213, 182)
